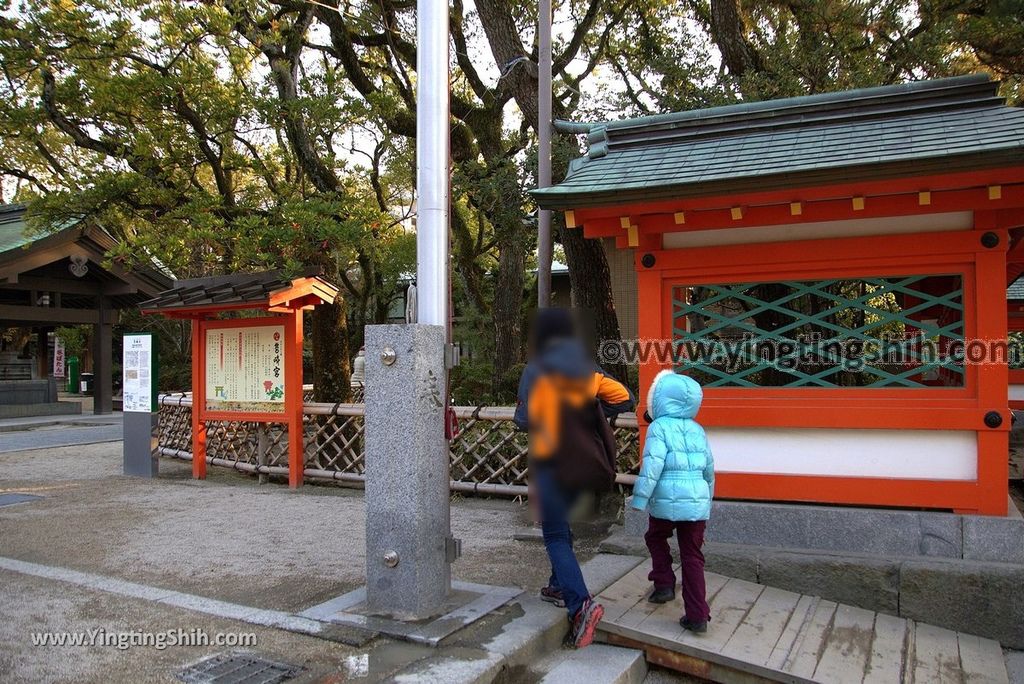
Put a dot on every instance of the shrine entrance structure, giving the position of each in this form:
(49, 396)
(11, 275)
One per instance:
(246, 369)
(833, 270)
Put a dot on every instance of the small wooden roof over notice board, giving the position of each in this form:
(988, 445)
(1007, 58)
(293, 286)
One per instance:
(268, 291)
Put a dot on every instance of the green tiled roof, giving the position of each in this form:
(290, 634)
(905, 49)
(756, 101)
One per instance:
(913, 128)
(12, 227)
(1016, 289)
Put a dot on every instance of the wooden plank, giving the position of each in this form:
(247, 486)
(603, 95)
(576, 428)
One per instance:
(847, 646)
(756, 637)
(981, 660)
(937, 655)
(888, 650)
(694, 665)
(728, 608)
(642, 610)
(803, 659)
(692, 650)
(713, 583)
(625, 593)
(910, 652)
(801, 615)
(664, 621)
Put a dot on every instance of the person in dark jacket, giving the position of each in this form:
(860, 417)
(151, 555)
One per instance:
(559, 381)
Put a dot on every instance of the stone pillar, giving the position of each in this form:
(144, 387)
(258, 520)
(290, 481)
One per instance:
(102, 358)
(408, 524)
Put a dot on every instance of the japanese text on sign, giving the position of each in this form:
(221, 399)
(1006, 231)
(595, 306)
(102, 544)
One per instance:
(137, 373)
(245, 368)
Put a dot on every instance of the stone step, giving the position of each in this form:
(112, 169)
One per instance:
(596, 664)
(532, 637)
(847, 530)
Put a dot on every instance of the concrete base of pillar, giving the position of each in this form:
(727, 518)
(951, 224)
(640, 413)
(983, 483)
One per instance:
(466, 603)
(408, 547)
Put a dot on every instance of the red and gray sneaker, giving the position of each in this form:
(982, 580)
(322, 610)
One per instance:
(552, 595)
(585, 622)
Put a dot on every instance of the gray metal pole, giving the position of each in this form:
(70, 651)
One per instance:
(544, 153)
(432, 180)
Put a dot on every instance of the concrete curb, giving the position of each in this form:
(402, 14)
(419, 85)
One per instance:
(976, 597)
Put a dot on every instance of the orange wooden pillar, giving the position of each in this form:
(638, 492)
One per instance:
(293, 398)
(198, 399)
(993, 376)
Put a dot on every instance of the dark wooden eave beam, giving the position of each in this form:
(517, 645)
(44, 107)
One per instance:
(34, 315)
(68, 286)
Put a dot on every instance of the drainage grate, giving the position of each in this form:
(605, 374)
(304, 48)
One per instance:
(237, 668)
(16, 498)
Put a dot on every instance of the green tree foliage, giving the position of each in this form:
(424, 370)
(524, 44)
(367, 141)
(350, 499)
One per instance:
(232, 135)
(183, 131)
(706, 52)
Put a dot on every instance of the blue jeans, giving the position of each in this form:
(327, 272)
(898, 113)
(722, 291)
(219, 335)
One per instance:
(555, 505)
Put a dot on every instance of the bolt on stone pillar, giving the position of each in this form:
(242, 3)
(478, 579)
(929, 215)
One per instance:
(408, 512)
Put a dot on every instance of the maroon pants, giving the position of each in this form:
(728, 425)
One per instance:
(691, 538)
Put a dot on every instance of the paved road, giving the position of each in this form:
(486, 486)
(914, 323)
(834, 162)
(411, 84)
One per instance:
(45, 437)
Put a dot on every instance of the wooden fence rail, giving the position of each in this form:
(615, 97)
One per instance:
(489, 456)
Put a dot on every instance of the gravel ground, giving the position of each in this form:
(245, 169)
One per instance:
(226, 538)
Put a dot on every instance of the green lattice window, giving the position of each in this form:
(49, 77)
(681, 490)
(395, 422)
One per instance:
(894, 331)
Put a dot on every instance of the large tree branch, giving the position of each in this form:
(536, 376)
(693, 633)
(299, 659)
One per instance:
(562, 60)
(519, 71)
(284, 64)
(462, 53)
(220, 176)
(729, 32)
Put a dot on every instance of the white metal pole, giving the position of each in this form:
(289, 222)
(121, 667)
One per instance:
(544, 153)
(432, 168)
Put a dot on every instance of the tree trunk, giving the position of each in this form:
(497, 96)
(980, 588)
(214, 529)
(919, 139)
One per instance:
(331, 367)
(589, 275)
(729, 32)
(590, 279)
(508, 299)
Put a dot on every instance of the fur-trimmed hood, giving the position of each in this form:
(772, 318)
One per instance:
(674, 395)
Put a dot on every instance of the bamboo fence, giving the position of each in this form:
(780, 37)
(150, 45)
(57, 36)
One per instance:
(489, 456)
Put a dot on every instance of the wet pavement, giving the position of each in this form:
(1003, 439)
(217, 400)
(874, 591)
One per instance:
(50, 434)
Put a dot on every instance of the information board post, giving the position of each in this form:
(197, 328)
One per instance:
(293, 400)
(140, 371)
(198, 400)
(248, 369)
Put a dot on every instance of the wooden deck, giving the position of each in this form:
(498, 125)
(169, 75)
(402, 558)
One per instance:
(760, 633)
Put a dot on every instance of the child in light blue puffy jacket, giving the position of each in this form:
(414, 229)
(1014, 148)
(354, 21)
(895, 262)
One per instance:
(676, 483)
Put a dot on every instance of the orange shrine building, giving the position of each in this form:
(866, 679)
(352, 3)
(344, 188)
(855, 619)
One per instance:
(833, 269)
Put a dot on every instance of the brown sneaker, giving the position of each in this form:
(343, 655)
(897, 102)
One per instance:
(552, 595)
